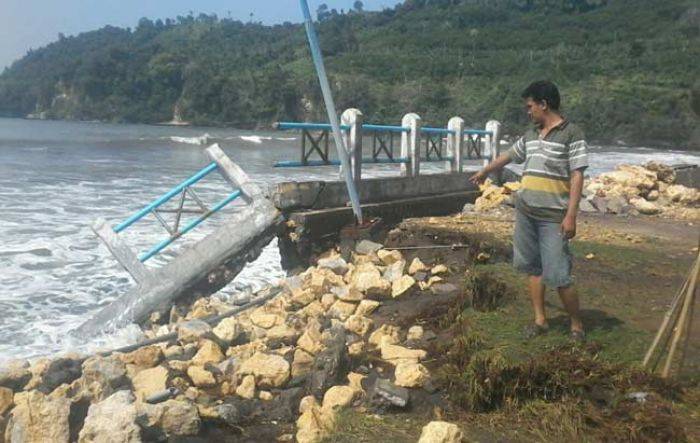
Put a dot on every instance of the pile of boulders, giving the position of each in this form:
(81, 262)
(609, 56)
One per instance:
(628, 190)
(634, 189)
(289, 360)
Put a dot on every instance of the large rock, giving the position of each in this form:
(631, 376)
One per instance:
(302, 297)
(150, 381)
(146, 357)
(411, 375)
(169, 420)
(15, 374)
(228, 330)
(339, 397)
(112, 420)
(645, 207)
(282, 334)
(385, 330)
(342, 310)
(102, 377)
(201, 377)
(396, 354)
(247, 387)
(682, 194)
(314, 424)
(56, 372)
(367, 247)
(385, 393)
(192, 331)
(441, 432)
(631, 176)
(389, 257)
(209, 352)
(394, 271)
(367, 307)
(417, 266)
(334, 263)
(269, 370)
(330, 365)
(264, 319)
(310, 341)
(367, 278)
(402, 285)
(347, 293)
(358, 324)
(38, 418)
(302, 363)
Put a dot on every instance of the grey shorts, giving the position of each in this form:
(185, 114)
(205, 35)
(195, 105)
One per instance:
(540, 249)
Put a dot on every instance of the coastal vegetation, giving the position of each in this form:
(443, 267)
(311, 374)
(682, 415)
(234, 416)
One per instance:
(627, 68)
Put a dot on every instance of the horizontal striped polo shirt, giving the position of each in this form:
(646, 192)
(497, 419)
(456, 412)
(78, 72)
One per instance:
(548, 162)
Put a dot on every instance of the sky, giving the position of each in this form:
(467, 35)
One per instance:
(27, 24)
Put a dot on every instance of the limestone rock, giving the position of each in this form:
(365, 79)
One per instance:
(149, 381)
(355, 381)
(172, 418)
(334, 263)
(339, 397)
(389, 257)
(209, 352)
(416, 266)
(411, 375)
(367, 247)
(102, 376)
(389, 331)
(192, 331)
(15, 374)
(342, 310)
(228, 330)
(349, 294)
(111, 420)
(269, 370)
(327, 300)
(38, 418)
(282, 334)
(385, 393)
(313, 311)
(307, 403)
(653, 195)
(367, 307)
(314, 424)
(6, 400)
(302, 363)
(266, 396)
(247, 387)
(400, 286)
(367, 278)
(146, 357)
(441, 432)
(439, 269)
(682, 194)
(358, 324)
(310, 340)
(50, 374)
(645, 207)
(302, 297)
(260, 317)
(396, 354)
(356, 349)
(394, 271)
(201, 377)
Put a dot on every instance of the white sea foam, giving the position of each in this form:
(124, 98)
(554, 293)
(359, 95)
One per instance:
(201, 140)
(257, 139)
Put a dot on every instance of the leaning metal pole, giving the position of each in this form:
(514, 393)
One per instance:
(330, 108)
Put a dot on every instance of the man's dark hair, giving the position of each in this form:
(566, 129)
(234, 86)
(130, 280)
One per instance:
(543, 91)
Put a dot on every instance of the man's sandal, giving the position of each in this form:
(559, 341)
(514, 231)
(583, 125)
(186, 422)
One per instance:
(533, 330)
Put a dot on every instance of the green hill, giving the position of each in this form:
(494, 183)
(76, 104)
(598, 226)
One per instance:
(626, 67)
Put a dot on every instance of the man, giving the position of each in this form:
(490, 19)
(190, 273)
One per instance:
(554, 154)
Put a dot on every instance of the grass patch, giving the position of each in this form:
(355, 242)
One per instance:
(353, 426)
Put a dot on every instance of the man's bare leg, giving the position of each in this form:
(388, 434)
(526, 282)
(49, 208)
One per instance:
(569, 299)
(537, 290)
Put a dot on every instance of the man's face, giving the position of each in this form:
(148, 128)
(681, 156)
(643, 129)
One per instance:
(535, 110)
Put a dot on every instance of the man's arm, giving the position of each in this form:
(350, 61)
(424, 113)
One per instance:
(494, 166)
(568, 225)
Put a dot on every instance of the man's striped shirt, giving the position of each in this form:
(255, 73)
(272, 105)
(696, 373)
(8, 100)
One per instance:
(548, 163)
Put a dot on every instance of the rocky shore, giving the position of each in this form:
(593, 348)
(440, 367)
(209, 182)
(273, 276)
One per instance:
(372, 330)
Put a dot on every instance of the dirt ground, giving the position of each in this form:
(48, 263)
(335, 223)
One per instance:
(627, 270)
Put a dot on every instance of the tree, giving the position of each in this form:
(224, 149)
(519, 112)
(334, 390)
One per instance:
(322, 12)
(358, 6)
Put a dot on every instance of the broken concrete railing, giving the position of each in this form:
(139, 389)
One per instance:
(202, 268)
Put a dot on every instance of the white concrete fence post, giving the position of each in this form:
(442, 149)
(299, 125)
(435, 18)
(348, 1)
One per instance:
(455, 141)
(233, 173)
(410, 145)
(124, 255)
(494, 143)
(353, 141)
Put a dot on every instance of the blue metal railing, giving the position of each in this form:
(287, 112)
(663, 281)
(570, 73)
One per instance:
(286, 126)
(385, 128)
(427, 130)
(181, 188)
(476, 132)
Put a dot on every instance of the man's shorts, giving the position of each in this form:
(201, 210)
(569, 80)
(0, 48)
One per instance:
(539, 248)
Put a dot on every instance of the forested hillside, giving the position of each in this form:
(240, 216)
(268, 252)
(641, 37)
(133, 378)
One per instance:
(626, 67)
